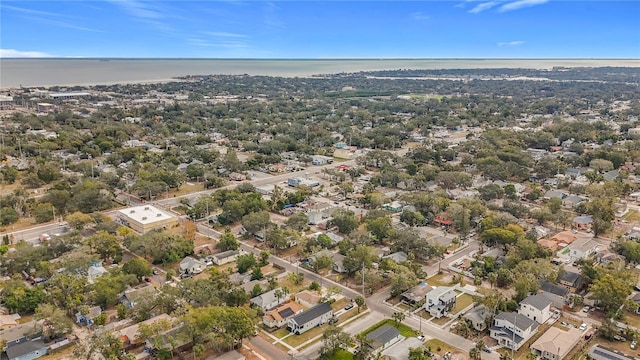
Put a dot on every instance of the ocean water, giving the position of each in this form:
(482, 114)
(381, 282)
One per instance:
(67, 72)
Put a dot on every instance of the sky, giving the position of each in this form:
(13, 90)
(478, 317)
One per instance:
(320, 29)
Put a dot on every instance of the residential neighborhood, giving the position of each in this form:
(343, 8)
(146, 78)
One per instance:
(270, 218)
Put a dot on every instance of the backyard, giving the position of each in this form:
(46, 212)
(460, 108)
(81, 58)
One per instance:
(402, 328)
(462, 302)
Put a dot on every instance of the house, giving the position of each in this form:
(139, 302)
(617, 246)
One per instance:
(95, 271)
(279, 316)
(583, 248)
(8, 321)
(636, 298)
(129, 335)
(611, 175)
(571, 280)
(571, 201)
(478, 317)
(440, 300)
(21, 333)
(559, 295)
(307, 298)
(416, 293)
(383, 337)
(536, 307)
(27, 350)
(226, 257)
(556, 343)
(394, 207)
(321, 160)
(582, 222)
(599, 352)
(336, 258)
(189, 265)
(512, 330)
(554, 194)
(268, 300)
(87, 318)
(133, 296)
(310, 318)
(237, 176)
(397, 257)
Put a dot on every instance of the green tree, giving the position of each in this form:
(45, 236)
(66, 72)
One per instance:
(105, 245)
(298, 221)
(334, 339)
(344, 220)
(138, 267)
(43, 212)
(398, 317)
(8, 215)
(245, 262)
(228, 242)
(360, 302)
(380, 227)
(78, 220)
(257, 221)
(57, 323)
(611, 291)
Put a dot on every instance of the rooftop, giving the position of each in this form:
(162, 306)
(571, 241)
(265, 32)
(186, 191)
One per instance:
(538, 301)
(312, 313)
(145, 214)
(382, 335)
(557, 340)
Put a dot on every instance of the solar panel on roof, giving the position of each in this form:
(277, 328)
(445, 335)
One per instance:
(286, 312)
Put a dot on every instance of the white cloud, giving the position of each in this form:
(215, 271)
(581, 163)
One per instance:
(30, 11)
(520, 4)
(511, 43)
(483, 6)
(13, 53)
(222, 34)
(139, 9)
(418, 15)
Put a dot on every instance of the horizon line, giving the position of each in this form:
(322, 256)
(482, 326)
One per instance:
(316, 59)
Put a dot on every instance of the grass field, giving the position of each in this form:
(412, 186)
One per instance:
(404, 329)
(439, 347)
(280, 333)
(437, 280)
(462, 302)
(441, 321)
(342, 355)
(297, 340)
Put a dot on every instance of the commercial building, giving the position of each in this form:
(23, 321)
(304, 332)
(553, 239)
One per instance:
(145, 218)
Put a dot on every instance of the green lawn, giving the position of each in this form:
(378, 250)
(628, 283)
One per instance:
(631, 319)
(280, 333)
(441, 321)
(296, 340)
(404, 329)
(439, 347)
(342, 355)
(436, 280)
(462, 302)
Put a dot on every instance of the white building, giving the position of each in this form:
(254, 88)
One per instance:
(145, 218)
(536, 307)
(512, 330)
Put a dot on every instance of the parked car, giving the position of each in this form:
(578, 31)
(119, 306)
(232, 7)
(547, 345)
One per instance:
(619, 338)
(633, 345)
(348, 307)
(486, 349)
(156, 272)
(583, 327)
(564, 323)
(421, 337)
(586, 308)
(333, 320)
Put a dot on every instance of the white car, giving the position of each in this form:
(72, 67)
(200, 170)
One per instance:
(583, 327)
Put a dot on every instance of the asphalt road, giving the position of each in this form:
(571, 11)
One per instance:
(267, 348)
(32, 234)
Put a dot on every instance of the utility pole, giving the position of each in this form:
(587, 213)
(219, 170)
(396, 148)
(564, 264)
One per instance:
(363, 279)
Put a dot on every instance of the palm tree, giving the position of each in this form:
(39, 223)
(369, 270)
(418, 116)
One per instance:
(398, 317)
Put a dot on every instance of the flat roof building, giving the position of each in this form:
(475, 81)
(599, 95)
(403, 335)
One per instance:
(145, 218)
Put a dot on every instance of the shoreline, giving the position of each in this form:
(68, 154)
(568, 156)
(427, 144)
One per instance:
(50, 72)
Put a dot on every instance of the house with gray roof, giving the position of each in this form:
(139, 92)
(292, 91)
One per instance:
(268, 300)
(397, 257)
(440, 300)
(416, 293)
(478, 316)
(571, 280)
(311, 318)
(557, 194)
(383, 337)
(226, 257)
(512, 330)
(27, 350)
(599, 352)
(189, 265)
(536, 307)
(559, 295)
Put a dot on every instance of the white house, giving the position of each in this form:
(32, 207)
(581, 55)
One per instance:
(95, 271)
(189, 265)
(512, 330)
(440, 300)
(536, 307)
(556, 343)
(311, 318)
(383, 337)
(226, 257)
(268, 300)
